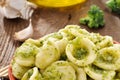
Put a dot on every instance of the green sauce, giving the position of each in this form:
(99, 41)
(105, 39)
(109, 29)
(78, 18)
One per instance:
(30, 73)
(80, 53)
(96, 69)
(26, 50)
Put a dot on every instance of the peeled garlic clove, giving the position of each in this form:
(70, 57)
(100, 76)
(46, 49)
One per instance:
(25, 33)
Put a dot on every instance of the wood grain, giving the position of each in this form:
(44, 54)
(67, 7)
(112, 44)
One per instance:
(46, 21)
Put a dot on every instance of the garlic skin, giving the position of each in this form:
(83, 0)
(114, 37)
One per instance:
(25, 33)
(26, 12)
(20, 8)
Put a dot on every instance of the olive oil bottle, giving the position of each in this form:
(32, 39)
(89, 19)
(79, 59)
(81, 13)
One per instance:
(57, 3)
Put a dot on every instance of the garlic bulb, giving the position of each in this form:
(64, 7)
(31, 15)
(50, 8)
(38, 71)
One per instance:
(20, 8)
(25, 33)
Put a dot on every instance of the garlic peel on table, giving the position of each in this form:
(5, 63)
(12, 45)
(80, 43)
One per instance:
(25, 33)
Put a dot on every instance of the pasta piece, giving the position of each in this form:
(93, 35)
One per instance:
(108, 58)
(59, 70)
(80, 73)
(56, 36)
(25, 55)
(99, 74)
(81, 51)
(66, 34)
(18, 71)
(60, 44)
(95, 37)
(117, 46)
(72, 26)
(37, 43)
(106, 42)
(57, 40)
(72, 31)
(32, 74)
(48, 54)
(77, 31)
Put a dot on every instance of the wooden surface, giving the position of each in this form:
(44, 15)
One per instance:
(46, 21)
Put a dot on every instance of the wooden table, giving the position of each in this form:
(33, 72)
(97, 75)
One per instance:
(46, 21)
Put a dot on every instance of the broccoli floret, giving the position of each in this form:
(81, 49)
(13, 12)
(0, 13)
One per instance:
(114, 5)
(94, 18)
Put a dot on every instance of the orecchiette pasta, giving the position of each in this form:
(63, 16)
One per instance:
(56, 36)
(37, 43)
(18, 70)
(66, 34)
(81, 51)
(25, 55)
(106, 42)
(61, 44)
(32, 74)
(95, 37)
(60, 70)
(48, 53)
(108, 58)
(57, 40)
(99, 74)
(117, 46)
(77, 31)
(80, 73)
(71, 53)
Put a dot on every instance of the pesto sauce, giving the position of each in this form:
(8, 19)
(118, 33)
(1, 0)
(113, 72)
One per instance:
(54, 35)
(52, 74)
(58, 36)
(55, 72)
(26, 50)
(30, 72)
(96, 69)
(63, 56)
(80, 53)
(107, 58)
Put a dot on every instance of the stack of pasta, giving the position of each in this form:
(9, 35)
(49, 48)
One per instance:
(71, 53)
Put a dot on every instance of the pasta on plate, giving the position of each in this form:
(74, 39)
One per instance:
(71, 53)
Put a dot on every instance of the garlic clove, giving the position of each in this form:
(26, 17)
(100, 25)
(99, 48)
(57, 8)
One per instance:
(25, 33)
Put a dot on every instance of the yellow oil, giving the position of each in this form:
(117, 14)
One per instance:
(57, 3)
